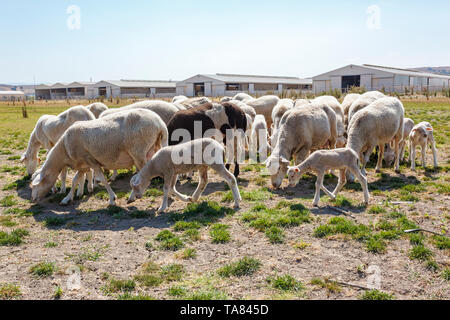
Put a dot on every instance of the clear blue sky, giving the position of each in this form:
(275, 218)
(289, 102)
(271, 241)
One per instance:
(177, 39)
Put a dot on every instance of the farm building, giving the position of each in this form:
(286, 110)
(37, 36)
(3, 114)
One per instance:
(218, 85)
(135, 88)
(11, 95)
(373, 77)
(58, 91)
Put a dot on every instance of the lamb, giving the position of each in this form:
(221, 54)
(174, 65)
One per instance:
(243, 97)
(264, 106)
(278, 112)
(389, 154)
(334, 104)
(348, 101)
(258, 138)
(301, 130)
(422, 135)
(169, 162)
(363, 101)
(323, 160)
(163, 109)
(376, 125)
(97, 108)
(118, 141)
(47, 132)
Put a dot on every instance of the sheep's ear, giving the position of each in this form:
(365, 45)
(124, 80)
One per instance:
(283, 160)
(37, 180)
(429, 129)
(136, 181)
(297, 170)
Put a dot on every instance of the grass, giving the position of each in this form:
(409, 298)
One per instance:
(188, 253)
(252, 196)
(7, 222)
(204, 213)
(331, 286)
(58, 293)
(420, 252)
(242, 267)
(153, 275)
(8, 201)
(129, 296)
(219, 233)
(285, 283)
(43, 269)
(207, 294)
(169, 241)
(376, 295)
(88, 254)
(441, 242)
(275, 235)
(9, 291)
(446, 274)
(177, 291)
(14, 238)
(54, 222)
(120, 285)
(173, 272)
(377, 209)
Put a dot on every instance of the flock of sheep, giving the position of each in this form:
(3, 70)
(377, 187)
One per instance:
(319, 135)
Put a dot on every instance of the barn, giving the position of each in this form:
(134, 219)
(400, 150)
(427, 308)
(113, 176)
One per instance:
(11, 95)
(60, 91)
(135, 88)
(219, 85)
(380, 78)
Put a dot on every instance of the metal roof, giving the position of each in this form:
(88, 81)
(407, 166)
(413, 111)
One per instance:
(12, 93)
(406, 72)
(142, 83)
(241, 78)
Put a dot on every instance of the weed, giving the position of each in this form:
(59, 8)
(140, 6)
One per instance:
(188, 253)
(441, 242)
(129, 296)
(58, 293)
(9, 291)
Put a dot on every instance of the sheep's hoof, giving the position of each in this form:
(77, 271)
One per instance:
(378, 171)
(64, 202)
(316, 205)
(161, 210)
(397, 171)
(131, 201)
(237, 207)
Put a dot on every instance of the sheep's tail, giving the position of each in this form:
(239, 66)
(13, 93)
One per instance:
(164, 138)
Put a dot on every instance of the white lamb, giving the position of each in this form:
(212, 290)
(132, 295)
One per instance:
(323, 160)
(389, 153)
(169, 162)
(422, 135)
(302, 129)
(264, 106)
(118, 141)
(376, 125)
(46, 134)
(97, 108)
(258, 139)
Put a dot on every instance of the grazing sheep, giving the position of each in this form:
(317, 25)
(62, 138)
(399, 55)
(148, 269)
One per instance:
(301, 102)
(334, 104)
(421, 135)
(278, 112)
(194, 102)
(323, 160)
(163, 109)
(264, 106)
(169, 162)
(363, 101)
(301, 130)
(226, 99)
(179, 99)
(389, 154)
(214, 118)
(118, 141)
(243, 97)
(258, 139)
(376, 125)
(47, 132)
(348, 101)
(246, 108)
(97, 108)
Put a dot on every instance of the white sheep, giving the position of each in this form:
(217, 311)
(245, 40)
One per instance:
(278, 112)
(362, 102)
(422, 135)
(389, 153)
(243, 97)
(194, 102)
(246, 108)
(169, 162)
(376, 125)
(348, 101)
(97, 108)
(323, 160)
(46, 134)
(118, 141)
(301, 130)
(264, 106)
(179, 99)
(334, 104)
(226, 99)
(301, 102)
(258, 139)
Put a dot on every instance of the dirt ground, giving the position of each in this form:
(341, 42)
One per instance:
(110, 244)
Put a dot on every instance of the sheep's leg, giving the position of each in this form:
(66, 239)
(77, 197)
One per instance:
(363, 181)
(81, 180)
(114, 176)
(402, 150)
(90, 179)
(75, 181)
(366, 159)
(167, 190)
(203, 175)
(397, 154)
(424, 154)
(341, 182)
(319, 184)
(433, 148)
(412, 150)
(112, 196)
(380, 158)
(180, 196)
(230, 180)
(63, 177)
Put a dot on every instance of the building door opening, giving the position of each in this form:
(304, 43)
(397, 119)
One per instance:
(199, 89)
(350, 81)
(102, 91)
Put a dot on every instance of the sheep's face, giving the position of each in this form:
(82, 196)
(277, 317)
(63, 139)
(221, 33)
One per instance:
(40, 187)
(389, 155)
(30, 163)
(294, 174)
(277, 168)
(137, 187)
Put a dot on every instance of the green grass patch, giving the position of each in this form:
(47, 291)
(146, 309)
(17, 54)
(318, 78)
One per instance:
(275, 235)
(285, 283)
(169, 241)
(120, 285)
(376, 295)
(128, 296)
(331, 286)
(8, 201)
(219, 233)
(9, 291)
(441, 242)
(188, 253)
(177, 291)
(420, 252)
(54, 222)
(446, 274)
(377, 209)
(14, 238)
(242, 267)
(43, 269)
(204, 213)
(252, 196)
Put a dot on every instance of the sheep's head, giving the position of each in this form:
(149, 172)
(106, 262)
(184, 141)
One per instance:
(137, 188)
(294, 174)
(30, 162)
(389, 155)
(40, 186)
(277, 167)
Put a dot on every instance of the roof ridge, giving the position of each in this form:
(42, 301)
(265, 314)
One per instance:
(256, 76)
